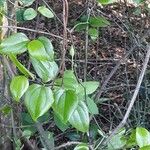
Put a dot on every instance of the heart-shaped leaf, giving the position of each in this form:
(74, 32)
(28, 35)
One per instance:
(18, 87)
(82, 146)
(46, 70)
(45, 12)
(37, 50)
(98, 22)
(94, 33)
(38, 100)
(26, 2)
(93, 109)
(118, 141)
(105, 2)
(69, 81)
(89, 87)
(142, 137)
(80, 118)
(15, 44)
(29, 14)
(65, 104)
(48, 46)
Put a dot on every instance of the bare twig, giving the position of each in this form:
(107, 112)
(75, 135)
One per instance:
(32, 30)
(124, 120)
(67, 145)
(65, 21)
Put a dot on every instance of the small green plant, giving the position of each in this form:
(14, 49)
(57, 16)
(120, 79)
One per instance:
(93, 23)
(66, 96)
(25, 13)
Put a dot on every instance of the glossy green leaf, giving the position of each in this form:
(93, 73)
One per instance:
(5, 110)
(45, 12)
(37, 50)
(145, 148)
(94, 33)
(80, 118)
(82, 146)
(15, 44)
(131, 142)
(89, 87)
(93, 109)
(138, 1)
(21, 68)
(19, 15)
(38, 100)
(69, 81)
(118, 141)
(26, 2)
(48, 46)
(14, 39)
(46, 70)
(142, 137)
(14, 49)
(18, 86)
(105, 2)
(29, 14)
(65, 103)
(60, 124)
(98, 22)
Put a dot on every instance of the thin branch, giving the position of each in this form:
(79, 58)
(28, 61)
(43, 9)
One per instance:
(32, 30)
(124, 120)
(67, 145)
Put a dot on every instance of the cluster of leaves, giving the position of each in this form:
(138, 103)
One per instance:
(136, 138)
(66, 96)
(93, 23)
(28, 13)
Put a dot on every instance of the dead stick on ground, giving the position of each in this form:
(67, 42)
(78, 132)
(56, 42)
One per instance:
(124, 120)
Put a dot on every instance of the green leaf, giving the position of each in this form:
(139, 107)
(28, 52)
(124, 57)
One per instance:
(38, 100)
(145, 148)
(21, 68)
(26, 2)
(46, 70)
(29, 14)
(69, 81)
(18, 86)
(93, 109)
(15, 44)
(131, 142)
(45, 12)
(82, 146)
(19, 15)
(5, 110)
(14, 39)
(37, 50)
(105, 2)
(98, 22)
(48, 46)
(80, 118)
(60, 124)
(65, 103)
(138, 1)
(90, 87)
(49, 136)
(118, 141)
(93, 33)
(142, 137)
